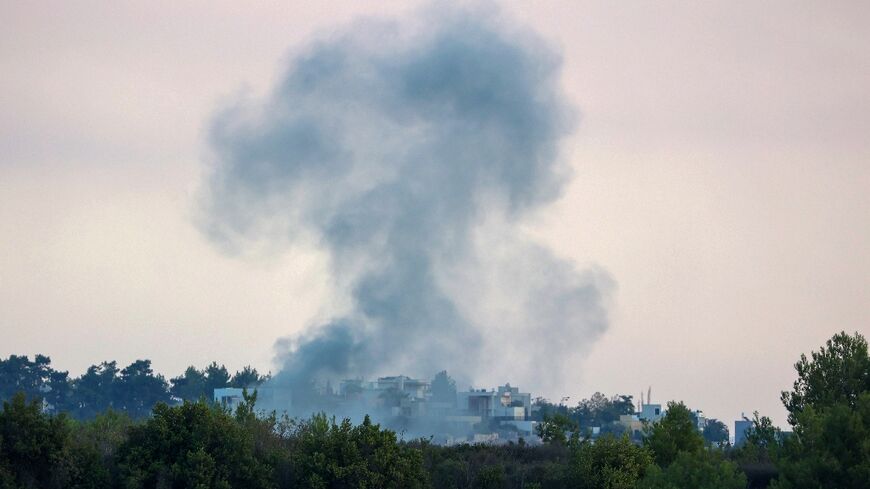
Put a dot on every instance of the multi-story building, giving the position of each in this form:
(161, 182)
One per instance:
(503, 403)
(650, 412)
(741, 429)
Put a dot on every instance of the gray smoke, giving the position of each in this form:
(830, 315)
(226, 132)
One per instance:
(412, 156)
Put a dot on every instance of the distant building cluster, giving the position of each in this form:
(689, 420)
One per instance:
(412, 407)
(501, 414)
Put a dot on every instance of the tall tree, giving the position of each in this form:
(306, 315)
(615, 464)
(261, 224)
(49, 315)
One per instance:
(676, 432)
(189, 386)
(216, 377)
(95, 390)
(829, 410)
(838, 373)
(58, 393)
(20, 374)
(715, 432)
(247, 377)
(140, 389)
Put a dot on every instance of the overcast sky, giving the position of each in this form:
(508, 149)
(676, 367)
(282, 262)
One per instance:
(722, 176)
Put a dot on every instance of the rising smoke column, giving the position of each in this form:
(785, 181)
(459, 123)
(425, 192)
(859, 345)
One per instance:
(411, 156)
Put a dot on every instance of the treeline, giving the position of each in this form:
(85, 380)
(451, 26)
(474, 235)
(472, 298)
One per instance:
(198, 445)
(603, 413)
(134, 390)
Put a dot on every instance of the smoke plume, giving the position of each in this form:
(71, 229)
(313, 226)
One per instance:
(411, 153)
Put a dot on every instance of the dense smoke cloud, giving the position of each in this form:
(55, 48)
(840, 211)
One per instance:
(411, 156)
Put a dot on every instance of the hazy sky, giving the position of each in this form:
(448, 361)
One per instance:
(722, 177)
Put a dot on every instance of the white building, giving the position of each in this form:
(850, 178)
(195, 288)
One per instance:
(503, 403)
(229, 397)
(701, 419)
(742, 427)
(413, 388)
(650, 412)
(268, 398)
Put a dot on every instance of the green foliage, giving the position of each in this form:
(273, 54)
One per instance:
(763, 434)
(216, 377)
(38, 450)
(194, 384)
(190, 446)
(831, 448)
(450, 474)
(715, 432)
(836, 375)
(247, 377)
(189, 386)
(698, 469)
(139, 389)
(490, 477)
(830, 412)
(599, 410)
(330, 454)
(95, 390)
(197, 445)
(20, 374)
(555, 429)
(609, 463)
(32, 445)
(98, 440)
(676, 432)
(543, 408)
(135, 389)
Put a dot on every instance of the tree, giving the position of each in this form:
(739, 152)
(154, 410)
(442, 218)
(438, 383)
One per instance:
(450, 474)
(829, 410)
(443, 388)
(247, 377)
(542, 407)
(32, 444)
(58, 393)
(715, 432)
(554, 429)
(94, 391)
(19, 374)
(327, 454)
(609, 463)
(599, 410)
(676, 432)
(216, 377)
(489, 477)
(700, 469)
(837, 374)
(139, 389)
(104, 434)
(763, 434)
(189, 386)
(190, 446)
